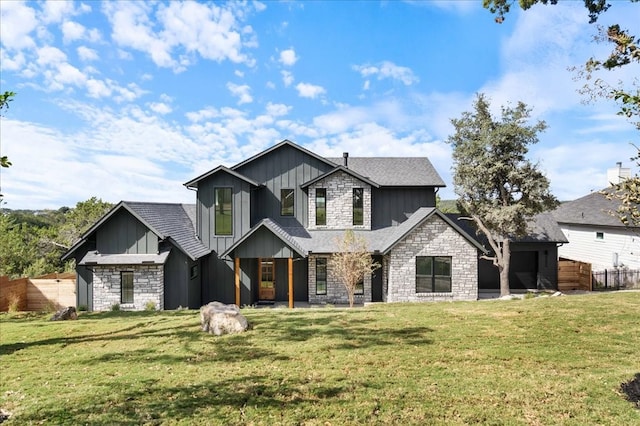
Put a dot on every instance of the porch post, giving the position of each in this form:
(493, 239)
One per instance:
(237, 276)
(290, 262)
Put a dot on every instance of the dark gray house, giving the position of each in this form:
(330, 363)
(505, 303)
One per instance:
(264, 229)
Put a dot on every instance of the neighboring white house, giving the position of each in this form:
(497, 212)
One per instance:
(595, 235)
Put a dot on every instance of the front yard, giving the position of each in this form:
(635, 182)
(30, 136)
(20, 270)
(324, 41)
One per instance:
(534, 361)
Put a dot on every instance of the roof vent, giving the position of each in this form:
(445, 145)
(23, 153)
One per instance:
(345, 155)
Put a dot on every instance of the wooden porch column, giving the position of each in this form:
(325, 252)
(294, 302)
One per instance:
(237, 274)
(290, 262)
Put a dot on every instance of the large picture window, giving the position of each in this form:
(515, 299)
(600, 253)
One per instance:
(224, 211)
(321, 206)
(126, 287)
(286, 202)
(433, 274)
(358, 206)
(321, 275)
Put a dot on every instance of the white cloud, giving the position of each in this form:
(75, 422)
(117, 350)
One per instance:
(86, 54)
(288, 57)
(54, 11)
(306, 90)
(72, 31)
(160, 108)
(18, 21)
(97, 89)
(277, 110)
(287, 78)
(387, 69)
(242, 92)
(9, 63)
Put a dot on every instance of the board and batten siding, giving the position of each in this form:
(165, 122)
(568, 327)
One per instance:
(123, 233)
(284, 168)
(392, 206)
(585, 247)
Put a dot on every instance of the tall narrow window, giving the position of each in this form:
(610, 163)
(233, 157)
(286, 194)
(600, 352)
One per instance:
(433, 274)
(321, 275)
(126, 287)
(286, 202)
(224, 211)
(358, 210)
(321, 206)
(359, 287)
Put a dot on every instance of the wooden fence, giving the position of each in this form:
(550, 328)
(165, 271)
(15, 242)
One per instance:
(574, 275)
(48, 292)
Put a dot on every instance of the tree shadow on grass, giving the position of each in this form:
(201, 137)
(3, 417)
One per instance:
(226, 400)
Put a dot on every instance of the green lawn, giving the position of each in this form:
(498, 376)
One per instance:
(536, 361)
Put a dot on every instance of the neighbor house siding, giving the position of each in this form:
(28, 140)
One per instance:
(585, 247)
(148, 286)
(433, 238)
(123, 233)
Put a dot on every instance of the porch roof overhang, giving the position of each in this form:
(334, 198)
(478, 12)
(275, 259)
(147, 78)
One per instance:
(275, 231)
(94, 258)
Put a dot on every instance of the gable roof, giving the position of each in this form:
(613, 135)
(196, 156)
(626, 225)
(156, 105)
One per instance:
(395, 171)
(276, 230)
(279, 145)
(193, 183)
(340, 169)
(592, 209)
(166, 221)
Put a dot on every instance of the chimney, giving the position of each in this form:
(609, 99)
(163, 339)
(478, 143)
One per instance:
(617, 174)
(345, 155)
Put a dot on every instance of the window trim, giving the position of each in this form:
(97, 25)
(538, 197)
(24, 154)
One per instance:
(599, 235)
(358, 204)
(216, 230)
(359, 291)
(129, 291)
(324, 261)
(432, 276)
(291, 191)
(324, 207)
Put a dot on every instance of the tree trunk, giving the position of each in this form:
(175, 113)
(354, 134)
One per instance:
(504, 268)
(350, 292)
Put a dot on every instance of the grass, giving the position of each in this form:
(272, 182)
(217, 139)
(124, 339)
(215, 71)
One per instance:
(532, 362)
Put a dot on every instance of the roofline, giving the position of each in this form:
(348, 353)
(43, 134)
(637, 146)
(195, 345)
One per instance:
(267, 223)
(342, 169)
(277, 146)
(193, 182)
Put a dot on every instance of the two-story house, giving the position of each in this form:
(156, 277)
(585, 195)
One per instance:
(264, 229)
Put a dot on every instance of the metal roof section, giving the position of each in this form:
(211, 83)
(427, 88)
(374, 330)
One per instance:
(593, 209)
(193, 183)
(395, 171)
(99, 259)
(285, 142)
(276, 230)
(340, 169)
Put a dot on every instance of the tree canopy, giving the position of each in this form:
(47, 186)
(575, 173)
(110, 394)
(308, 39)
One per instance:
(497, 186)
(5, 98)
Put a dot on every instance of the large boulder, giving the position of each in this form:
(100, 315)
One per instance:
(218, 318)
(68, 313)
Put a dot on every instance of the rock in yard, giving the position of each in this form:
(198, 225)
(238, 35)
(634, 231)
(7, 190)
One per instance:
(68, 313)
(218, 318)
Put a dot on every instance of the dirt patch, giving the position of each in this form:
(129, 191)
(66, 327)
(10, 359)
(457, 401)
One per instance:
(632, 390)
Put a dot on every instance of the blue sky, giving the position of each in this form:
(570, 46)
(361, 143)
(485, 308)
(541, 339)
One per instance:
(129, 100)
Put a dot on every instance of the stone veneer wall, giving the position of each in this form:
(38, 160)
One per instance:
(148, 285)
(433, 238)
(339, 202)
(336, 293)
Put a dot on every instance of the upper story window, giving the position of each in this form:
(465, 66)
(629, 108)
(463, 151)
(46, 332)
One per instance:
(224, 211)
(433, 274)
(286, 202)
(358, 206)
(321, 206)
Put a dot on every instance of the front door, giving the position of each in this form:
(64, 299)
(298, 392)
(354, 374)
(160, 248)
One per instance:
(267, 280)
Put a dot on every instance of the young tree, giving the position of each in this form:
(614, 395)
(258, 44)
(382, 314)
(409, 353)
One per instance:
(5, 98)
(351, 262)
(625, 51)
(497, 187)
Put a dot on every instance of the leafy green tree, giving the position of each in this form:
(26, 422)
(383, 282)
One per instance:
(351, 262)
(625, 51)
(79, 219)
(497, 187)
(5, 98)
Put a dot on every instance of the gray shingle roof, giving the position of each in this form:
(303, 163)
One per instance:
(94, 258)
(175, 221)
(592, 209)
(277, 230)
(395, 171)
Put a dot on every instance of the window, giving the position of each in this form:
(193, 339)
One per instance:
(358, 211)
(321, 275)
(224, 211)
(359, 287)
(193, 272)
(321, 206)
(433, 274)
(126, 287)
(599, 235)
(286, 202)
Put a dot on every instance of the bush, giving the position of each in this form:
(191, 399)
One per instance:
(14, 303)
(115, 307)
(83, 308)
(150, 305)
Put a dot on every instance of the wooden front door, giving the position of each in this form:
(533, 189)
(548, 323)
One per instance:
(267, 279)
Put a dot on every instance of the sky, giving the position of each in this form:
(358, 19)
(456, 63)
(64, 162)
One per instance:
(129, 100)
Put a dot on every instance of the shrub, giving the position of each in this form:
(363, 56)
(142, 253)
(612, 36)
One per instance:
(83, 308)
(115, 307)
(14, 302)
(51, 306)
(150, 305)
